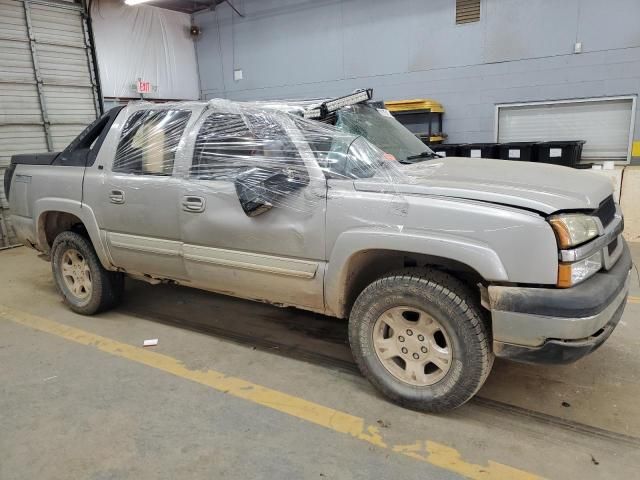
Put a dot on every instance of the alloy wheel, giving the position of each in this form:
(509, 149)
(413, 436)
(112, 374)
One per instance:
(412, 346)
(76, 274)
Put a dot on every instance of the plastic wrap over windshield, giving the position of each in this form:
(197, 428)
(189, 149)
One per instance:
(265, 158)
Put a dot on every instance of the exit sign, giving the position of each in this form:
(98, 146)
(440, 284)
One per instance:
(143, 86)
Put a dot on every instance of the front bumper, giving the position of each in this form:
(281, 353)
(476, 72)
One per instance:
(550, 325)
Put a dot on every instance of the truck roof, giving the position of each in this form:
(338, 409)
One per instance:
(317, 108)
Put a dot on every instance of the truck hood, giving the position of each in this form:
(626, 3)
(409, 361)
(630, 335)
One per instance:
(535, 186)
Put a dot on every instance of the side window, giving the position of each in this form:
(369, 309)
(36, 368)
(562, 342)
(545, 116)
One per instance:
(224, 148)
(278, 149)
(328, 146)
(149, 142)
(280, 153)
(229, 144)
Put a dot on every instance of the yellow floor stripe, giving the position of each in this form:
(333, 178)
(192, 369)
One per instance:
(427, 451)
(633, 299)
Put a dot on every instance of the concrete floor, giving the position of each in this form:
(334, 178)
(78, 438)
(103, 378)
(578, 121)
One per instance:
(245, 390)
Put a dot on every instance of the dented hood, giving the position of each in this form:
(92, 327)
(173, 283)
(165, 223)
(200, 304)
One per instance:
(535, 186)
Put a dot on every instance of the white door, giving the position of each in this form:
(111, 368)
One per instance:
(605, 125)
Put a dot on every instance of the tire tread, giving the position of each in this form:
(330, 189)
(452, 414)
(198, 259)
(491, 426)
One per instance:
(107, 286)
(449, 294)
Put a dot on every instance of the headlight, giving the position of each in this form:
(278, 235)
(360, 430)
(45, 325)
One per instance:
(570, 274)
(572, 229)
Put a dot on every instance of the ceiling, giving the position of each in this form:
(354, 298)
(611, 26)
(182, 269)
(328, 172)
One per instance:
(185, 6)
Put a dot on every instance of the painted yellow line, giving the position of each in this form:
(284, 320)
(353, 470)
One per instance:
(633, 299)
(426, 451)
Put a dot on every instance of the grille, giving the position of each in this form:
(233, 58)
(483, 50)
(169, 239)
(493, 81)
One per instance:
(606, 211)
(612, 246)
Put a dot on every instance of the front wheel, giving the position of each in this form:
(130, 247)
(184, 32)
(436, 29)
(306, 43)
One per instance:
(86, 286)
(419, 337)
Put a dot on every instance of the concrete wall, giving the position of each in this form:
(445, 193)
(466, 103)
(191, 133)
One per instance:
(520, 50)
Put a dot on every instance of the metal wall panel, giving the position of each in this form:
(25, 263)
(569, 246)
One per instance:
(69, 105)
(19, 104)
(63, 65)
(48, 89)
(57, 25)
(16, 139)
(12, 24)
(16, 64)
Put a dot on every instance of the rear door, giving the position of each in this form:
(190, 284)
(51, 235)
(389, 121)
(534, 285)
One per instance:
(276, 256)
(135, 194)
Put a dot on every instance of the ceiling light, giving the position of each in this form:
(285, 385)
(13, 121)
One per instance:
(135, 2)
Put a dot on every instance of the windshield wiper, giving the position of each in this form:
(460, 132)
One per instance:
(425, 154)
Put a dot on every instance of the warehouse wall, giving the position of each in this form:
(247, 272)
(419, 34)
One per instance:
(520, 50)
(144, 42)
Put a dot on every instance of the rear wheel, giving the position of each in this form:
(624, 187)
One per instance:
(86, 286)
(420, 338)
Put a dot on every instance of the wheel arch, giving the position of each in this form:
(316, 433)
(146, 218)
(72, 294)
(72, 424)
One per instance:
(56, 216)
(356, 262)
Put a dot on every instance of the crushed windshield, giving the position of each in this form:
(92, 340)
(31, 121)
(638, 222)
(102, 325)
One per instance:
(384, 131)
(342, 155)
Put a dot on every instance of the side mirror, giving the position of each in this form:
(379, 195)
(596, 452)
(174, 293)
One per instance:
(260, 189)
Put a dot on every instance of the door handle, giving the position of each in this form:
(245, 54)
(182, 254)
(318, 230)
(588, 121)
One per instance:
(193, 204)
(116, 196)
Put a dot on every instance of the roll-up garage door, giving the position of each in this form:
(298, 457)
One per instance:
(605, 125)
(48, 87)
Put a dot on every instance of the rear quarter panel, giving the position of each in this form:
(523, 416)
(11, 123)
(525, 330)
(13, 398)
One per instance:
(34, 187)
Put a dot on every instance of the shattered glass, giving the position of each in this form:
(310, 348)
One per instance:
(270, 156)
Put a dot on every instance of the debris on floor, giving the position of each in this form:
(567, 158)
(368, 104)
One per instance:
(150, 343)
(383, 424)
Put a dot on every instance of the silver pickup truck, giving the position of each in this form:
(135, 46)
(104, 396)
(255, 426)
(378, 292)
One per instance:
(439, 266)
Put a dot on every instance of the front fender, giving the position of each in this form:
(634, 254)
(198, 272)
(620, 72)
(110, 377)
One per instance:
(475, 254)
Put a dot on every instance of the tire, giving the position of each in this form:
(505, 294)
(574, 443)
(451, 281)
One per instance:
(85, 285)
(444, 369)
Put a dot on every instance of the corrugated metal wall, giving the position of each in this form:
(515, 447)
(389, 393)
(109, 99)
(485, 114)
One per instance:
(48, 88)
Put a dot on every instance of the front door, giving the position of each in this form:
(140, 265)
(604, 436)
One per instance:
(276, 255)
(135, 195)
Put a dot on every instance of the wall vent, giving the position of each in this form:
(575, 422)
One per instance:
(467, 11)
